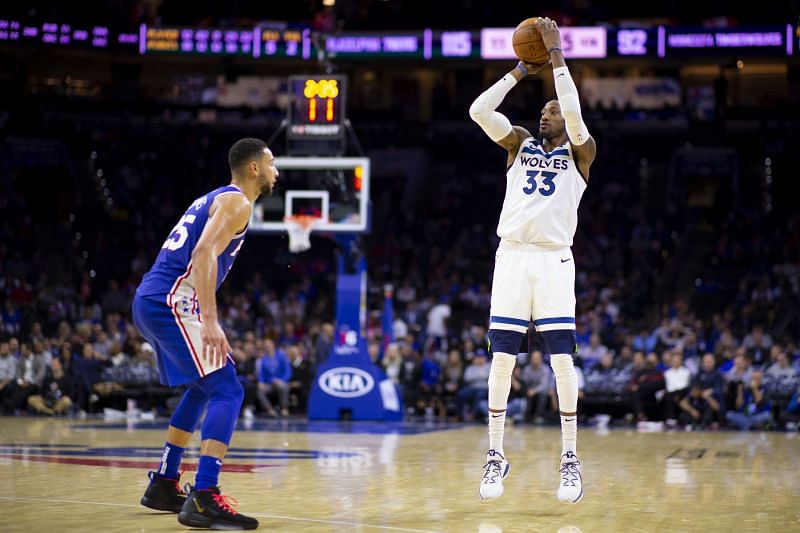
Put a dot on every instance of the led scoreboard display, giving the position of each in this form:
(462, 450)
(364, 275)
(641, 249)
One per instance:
(316, 107)
(63, 35)
(253, 42)
(284, 43)
(282, 40)
(199, 41)
(418, 45)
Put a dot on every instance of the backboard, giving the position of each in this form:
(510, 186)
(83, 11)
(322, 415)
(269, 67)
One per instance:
(334, 188)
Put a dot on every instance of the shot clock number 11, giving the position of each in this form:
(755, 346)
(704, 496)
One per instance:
(316, 108)
(321, 99)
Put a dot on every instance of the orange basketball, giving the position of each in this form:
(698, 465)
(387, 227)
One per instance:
(528, 43)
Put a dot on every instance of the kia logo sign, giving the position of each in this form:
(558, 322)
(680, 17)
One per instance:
(346, 382)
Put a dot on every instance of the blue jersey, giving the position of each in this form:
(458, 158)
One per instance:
(171, 274)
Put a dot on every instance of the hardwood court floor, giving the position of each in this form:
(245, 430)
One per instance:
(66, 475)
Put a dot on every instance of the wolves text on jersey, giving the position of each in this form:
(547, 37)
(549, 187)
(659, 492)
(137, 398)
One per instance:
(537, 162)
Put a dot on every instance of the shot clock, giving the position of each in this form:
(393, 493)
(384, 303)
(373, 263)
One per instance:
(317, 107)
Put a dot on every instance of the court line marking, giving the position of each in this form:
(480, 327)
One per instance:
(281, 517)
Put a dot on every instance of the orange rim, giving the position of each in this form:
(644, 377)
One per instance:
(304, 221)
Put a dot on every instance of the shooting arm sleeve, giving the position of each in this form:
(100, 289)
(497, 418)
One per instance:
(496, 125)
(567, 93)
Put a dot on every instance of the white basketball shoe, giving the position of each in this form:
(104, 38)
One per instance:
(570, 490)
(494, 472)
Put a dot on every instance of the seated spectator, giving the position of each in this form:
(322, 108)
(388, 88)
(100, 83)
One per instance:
(86, 372)
(672, 334)
(451, 380)
(55, 396)
(374, 352)
(781, 380)
(690, 347)
(30, 374)
(302, 377)
(475, 388)
(428, 385)
(739, 373)
(712, 383)
(592, 354)
(323, 345)
(247, 373)
(8, 374)
(113, 376)
(696, 409)
(625, 358)
(536, 377)
(645, 341)
(274, 373)
(791, 416)
(758, 345)
(677, 380)
(780, 376)
(141, 381)
(645, 384)
(42, 348)
(752, 406)
(392, 363)
(606, 389)
(410, 374)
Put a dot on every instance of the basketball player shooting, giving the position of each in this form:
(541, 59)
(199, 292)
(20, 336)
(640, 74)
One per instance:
(175, 310)
(534, 276)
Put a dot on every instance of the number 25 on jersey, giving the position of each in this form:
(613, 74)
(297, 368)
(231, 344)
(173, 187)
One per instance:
(179, 233)
(548, 186)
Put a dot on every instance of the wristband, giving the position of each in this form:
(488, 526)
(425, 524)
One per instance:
(522, 68)
(554, 48)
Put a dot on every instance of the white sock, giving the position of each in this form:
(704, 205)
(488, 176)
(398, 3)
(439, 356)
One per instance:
(499, 387)
(567, 389)
(569, 434)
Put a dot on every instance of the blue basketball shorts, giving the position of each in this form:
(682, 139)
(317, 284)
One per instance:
(172, 326)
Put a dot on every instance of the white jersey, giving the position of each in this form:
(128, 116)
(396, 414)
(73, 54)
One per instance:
(543, 190)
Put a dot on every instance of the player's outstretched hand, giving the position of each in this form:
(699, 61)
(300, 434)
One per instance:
(550, 34)
(215, 344)
(532, 68)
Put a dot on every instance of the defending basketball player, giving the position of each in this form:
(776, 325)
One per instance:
(534, 275)
(175, 310)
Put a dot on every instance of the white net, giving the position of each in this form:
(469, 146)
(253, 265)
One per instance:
(299, 228)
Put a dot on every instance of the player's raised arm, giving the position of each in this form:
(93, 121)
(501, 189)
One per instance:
(583, 145)
(496, 125)
(228, 216)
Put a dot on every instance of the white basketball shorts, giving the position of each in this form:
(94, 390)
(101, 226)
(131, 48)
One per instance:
(532, 282)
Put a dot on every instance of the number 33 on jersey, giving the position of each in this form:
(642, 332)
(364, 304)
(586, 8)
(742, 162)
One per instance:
(543, 190)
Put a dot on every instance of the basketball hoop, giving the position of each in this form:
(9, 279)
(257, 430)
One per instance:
(299, 228)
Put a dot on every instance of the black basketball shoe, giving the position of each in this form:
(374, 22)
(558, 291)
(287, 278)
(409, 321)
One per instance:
(164, 494)
(207, 508)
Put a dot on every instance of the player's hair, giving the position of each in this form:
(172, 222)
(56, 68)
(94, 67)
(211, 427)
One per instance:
(245, 150)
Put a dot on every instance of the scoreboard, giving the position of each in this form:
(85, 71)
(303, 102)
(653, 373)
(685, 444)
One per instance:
(283, 40)
(199, 41)
(666, 41)
(64, 35)
(245, 42)
(418, 45)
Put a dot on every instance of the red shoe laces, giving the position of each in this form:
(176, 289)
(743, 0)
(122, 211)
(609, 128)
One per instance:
(225, 502)
(178, 482)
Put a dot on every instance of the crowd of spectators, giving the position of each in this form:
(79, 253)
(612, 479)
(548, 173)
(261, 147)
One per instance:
(67, 277)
